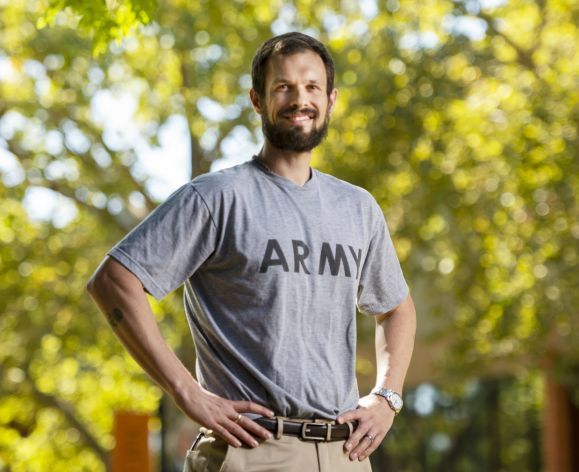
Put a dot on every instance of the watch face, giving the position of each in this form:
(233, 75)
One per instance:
(396, 401)
(393, 399)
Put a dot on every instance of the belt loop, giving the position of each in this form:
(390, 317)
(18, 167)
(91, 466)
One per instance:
(329, 432)
(279, 428)
(351, 428)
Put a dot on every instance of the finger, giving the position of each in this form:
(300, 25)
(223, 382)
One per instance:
(353, 441)
(250, 407)
(230, 438)
(356, 437)
(239, 432)
(251, 426)
(349, 416)
(367, 452)
(254, 428)
(237, 417)
(372, 447)
(365, 443)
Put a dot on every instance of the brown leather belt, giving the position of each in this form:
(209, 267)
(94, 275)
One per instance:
(305, 430)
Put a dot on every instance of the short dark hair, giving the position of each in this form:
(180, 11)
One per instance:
(285, 45)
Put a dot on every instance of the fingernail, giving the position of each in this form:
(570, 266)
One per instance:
(354, 456)
(269, 435)
(254, 443)
(339, 420)
(348, 446)
(237, 444)
(271, 413)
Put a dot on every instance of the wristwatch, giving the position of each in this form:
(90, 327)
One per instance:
(394, 399)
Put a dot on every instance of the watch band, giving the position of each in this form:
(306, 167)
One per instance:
(393, 399)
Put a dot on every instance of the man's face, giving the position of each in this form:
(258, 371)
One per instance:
(295, 110)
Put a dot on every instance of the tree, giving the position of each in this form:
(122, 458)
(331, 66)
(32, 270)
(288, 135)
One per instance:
(460, 119)
(471, 146)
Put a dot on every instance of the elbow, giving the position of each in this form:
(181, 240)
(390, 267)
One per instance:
(95, 283)
(101, 280)
(92, 285)
(89, 287)
(112, 277)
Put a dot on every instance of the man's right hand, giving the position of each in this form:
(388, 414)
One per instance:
(224, 417)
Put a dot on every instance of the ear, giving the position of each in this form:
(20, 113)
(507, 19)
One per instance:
(332, 100)
(255, 101)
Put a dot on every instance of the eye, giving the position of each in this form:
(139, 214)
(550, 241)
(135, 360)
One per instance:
(282, 87)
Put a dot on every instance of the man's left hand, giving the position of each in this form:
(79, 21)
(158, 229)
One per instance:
(375, 418)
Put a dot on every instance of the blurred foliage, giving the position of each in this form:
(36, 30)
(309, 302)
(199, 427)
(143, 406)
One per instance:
(480, 425)
(102, 21)
(460, 118)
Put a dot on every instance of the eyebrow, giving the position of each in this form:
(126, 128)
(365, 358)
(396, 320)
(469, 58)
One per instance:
(278, 80)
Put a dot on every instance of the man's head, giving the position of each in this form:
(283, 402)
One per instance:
(286, 45)
(293, 91)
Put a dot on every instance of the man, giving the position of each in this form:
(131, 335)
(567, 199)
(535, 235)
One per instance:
(274, 256)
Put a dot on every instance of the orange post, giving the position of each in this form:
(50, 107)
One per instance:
(557, 427)
(131, 452)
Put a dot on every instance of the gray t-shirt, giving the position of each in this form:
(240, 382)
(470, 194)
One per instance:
(273, 273)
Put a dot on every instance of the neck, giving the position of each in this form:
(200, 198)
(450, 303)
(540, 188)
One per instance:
(294, 166)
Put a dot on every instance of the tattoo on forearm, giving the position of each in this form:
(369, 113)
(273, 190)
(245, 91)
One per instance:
(115, 317)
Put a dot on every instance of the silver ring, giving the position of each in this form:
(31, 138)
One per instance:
(370, 437)
(236, 420)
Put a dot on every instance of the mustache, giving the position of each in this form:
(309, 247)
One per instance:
(295, 110)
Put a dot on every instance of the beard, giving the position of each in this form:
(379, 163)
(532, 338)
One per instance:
(294, 138)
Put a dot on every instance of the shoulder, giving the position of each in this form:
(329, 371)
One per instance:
(222, 181)
(347, 190)
(352, 198)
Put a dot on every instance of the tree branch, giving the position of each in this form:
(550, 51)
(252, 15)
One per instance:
(149, 202)
(224, 132)
(542, 21)
(199, 162)
(525, 57)
(50, 401)
(95, 135)
(21, 154)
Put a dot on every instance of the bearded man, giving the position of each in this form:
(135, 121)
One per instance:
(275, 257)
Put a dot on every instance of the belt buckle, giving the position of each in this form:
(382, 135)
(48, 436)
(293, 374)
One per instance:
(304, 432)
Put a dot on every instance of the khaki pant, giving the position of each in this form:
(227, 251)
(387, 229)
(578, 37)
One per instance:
(287, 454)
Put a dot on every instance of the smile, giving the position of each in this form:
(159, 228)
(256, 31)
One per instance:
(299, 118)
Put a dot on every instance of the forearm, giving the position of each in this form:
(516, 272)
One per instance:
(121, 298)
(395, 333)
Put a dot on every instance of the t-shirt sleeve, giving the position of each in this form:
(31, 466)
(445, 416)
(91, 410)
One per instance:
(382, 286)
(170, 244)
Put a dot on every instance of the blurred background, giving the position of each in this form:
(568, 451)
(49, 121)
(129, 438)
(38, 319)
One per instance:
(460, 117)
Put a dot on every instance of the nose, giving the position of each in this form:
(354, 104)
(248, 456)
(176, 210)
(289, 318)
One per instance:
(299, 97)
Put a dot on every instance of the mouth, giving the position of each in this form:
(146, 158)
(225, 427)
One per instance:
(301, 117)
